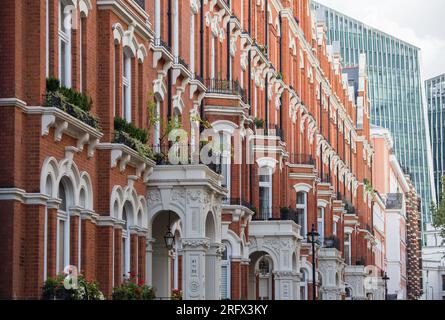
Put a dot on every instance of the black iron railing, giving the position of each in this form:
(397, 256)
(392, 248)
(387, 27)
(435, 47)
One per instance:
(394, 201)
(184, 154)
(349, 208)
(325, 178)
(301, 159)
(199, 78)
(274, 130)
(181, 61)
(161, 43)
(332, 242)
(226, 87)
(237, 202)
(56, 100)
(141, 3)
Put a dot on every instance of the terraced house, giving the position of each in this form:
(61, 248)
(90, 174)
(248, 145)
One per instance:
(106, 108)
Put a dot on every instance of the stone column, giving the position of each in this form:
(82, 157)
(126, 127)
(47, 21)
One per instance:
(161, 270)
(213, 272)
(285, 282)
(329, 265)
(194, 264)
(149, 261)
(355, 278)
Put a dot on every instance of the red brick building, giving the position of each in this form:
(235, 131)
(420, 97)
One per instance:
(80, 186)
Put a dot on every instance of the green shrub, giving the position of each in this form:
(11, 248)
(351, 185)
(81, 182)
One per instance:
(86, 290)
(79, 99)
(130, 290)
(52, 84)
(133, 131)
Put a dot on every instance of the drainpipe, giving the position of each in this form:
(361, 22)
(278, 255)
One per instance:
(281, 71)
(169, 73)
(266, 27)
(201, 56)
(321, 130)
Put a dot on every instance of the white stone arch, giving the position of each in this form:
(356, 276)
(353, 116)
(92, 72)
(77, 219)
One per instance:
(84, 7)
(118, 33)
(142, 209)
(224, 126)
(141, 53)
(50, 169)
(235, 243)
(267, 162)
(87, 186)
(212, 228)
(302, 187)
(268, 251)
(131, 197)
(117, 198)
(129, 42)
(154, 210)
(321, 203)
(68, 169)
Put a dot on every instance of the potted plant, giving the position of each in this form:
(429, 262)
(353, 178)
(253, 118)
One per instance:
(176, 294)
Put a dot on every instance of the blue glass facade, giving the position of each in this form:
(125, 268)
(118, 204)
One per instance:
(435, 94)
(395, 92)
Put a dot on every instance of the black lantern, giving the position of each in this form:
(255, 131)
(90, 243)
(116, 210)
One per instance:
(169, 238)
(385, 279)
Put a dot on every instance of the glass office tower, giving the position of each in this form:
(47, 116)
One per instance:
(395, 91)
(435, 94)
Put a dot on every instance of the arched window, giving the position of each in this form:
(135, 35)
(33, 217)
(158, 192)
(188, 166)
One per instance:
(264, 267)
(65, 58)
(348, 250)
(302, 212)
(126, 250)
(63, 226)
(303, 284)
(126, 86)
(225, 151)
(265, 193)
(320, 223)
(225, 272)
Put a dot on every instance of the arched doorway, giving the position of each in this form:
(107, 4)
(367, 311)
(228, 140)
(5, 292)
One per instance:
(162, 262)
(261, 280)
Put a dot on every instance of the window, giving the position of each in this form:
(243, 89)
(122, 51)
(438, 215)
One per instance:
(302, 212)
(212, 58)
(334, 228)
(63, 230)
(225, 273)
(126, 87)
(347, 251)
(65, 44)
(265, 193)
(225, 149)
(157, 124)
(320, 223)
(125, 258)
(303, 285)
(443, 282)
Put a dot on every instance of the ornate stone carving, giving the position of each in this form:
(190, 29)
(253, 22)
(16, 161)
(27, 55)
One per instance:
(154, 196)
(195, 243)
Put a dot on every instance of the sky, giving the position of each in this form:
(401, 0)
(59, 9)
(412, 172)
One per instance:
(421, 23)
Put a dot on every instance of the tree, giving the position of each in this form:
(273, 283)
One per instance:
(438, 212)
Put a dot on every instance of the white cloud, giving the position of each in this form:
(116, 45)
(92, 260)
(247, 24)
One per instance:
(418, 23)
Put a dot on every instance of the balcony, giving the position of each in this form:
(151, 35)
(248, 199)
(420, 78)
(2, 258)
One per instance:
(185, 154)
(284, 213)
(325, 178)
(394, 201)
(274, 131)
(332, 242)
(301, 159)
(237, 208)
(226, 87)
(180, 68)
(57, 100)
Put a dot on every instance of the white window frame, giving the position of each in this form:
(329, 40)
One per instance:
(65, 60)
(226, 157)
(65, 217)
(212, 58)
(267, 184)
(348, 243)
(304, 284)
(320, 223)
(126, 86)
(303, 206)
(227, 264)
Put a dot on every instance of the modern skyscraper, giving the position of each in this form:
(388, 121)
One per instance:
(435, 94)
(395, 92)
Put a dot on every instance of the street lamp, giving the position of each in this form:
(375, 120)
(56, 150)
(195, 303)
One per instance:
(386, 278)
(169, 238)
(312, 238)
